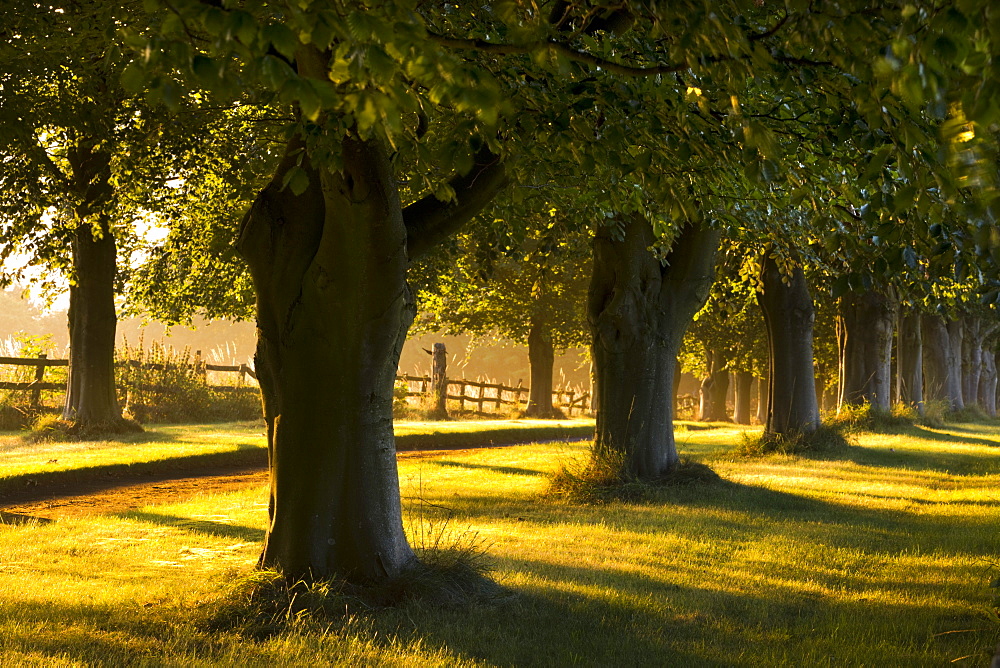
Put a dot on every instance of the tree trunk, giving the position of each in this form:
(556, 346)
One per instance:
(541, 357)
(91, 400)
(941, 380)
(439, 381)
(866, 325)
(909, 361)
(638, 310)
(714, 389)
(972, 353)
(988, 383)
(741, 413)
(788, 317)
(956, 337)
(333, 308)
(763, 385)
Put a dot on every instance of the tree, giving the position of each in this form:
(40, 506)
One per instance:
(639, 308)
(663, 101)
(87, 166)
(533, 291)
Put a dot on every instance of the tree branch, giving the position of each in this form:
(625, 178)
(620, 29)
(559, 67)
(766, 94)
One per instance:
(429, 220)
(561, 49)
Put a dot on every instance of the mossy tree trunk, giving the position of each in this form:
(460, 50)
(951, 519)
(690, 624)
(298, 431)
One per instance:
(788, 317)
(541, 358)
(866, 324)
(333, 309)
(638, 310)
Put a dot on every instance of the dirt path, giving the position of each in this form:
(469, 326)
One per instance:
(119, 494)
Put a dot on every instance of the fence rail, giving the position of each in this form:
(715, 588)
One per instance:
(480, 394)
(494, 394)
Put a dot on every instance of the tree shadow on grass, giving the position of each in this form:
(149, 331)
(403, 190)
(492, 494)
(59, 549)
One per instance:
(512, 470)
(907, 459)
(42, 485)
(210, 527)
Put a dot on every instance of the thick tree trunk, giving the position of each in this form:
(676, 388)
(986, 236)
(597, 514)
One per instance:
(988, 383)
(942, 382)
(909, 362)
(91, 400)
(638, 310)
(788, 316)
(866, 325)
(972, 353)
(713, 391)
(541, 357)
(741, 412)
(956, 337)
(333, 309)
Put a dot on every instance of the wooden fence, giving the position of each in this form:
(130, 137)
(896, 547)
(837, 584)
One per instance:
(496, 395)
(478, 394)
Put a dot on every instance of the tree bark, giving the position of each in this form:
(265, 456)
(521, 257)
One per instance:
(638, 310)
(541, 357)
(788, 317)
(909, 361)
(333, 309)
(763, 385)
(713, 391)
(988, 383)
(866, 323)
(942, 380)
(91, 399)
(972, 353)
(439, 381)
(956, 337)
(741, 412)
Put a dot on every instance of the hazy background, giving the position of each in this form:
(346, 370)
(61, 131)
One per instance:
(226, 342)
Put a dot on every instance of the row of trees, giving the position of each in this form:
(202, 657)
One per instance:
(374, 143)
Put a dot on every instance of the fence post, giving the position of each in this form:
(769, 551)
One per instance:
(199, 366)
(439, 380)
(36, 394)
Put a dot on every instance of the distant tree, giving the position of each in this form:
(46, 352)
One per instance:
(534, 292)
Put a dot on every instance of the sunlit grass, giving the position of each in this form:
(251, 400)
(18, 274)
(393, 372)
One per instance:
(880, 556)
(237, 442)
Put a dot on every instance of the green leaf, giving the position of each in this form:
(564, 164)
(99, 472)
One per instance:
(133, 77)
(283, 39)
(296, 179)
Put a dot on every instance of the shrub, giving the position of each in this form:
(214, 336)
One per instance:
(163, 385)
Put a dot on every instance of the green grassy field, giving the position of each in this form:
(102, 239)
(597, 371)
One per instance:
(879, 555)
(165, 448)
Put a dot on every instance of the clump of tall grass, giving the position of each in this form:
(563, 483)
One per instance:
(853, 418)
(825, 438)
(604, 478)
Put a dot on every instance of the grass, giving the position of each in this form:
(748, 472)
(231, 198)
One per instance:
(878, 554)
(176, 447)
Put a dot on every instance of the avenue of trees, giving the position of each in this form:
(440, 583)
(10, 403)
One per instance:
(341, 165)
